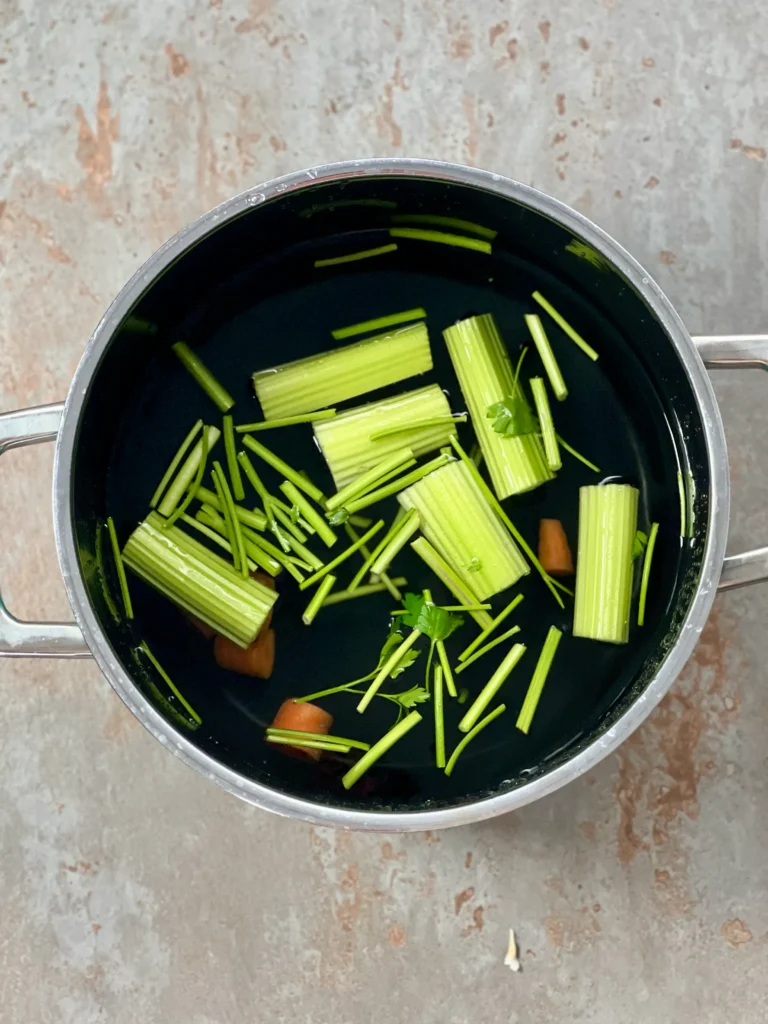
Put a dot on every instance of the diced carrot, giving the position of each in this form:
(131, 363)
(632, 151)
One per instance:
(302, 718)
(554, 552)
(267, 581)
(202, 627)
(257, 659)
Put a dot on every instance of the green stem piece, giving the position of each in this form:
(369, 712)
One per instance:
(387, 667)
(361, 522)
(646, 573)
(387, 741)
(342, 557)
(368, 560)
(292, 741)
(443, 238)
(366, 591)
(440, 221)
(318, 597)
(313, 517)
(253, 518)
(297, 734)
(488, 647)
(399, 484)
(353, 257)
(186, 474)
(489, 629)
(207, 531)
(540, 673)
(225, 495)
(232, 463)
(175, 463)
(577, 455)
(366, 481)
(127, 604)
(548, 435)
(282, 467)
(492, 687)
(378, 324)
(405, 530)
(286, 421)
(197, 368)
(466, 740)
(442, 654)
(565, 326)
(170, 684)
(194, 487)
(448, 576)
(547, 356)
(434, 421)
(439, 720)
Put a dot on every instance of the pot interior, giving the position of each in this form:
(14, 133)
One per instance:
(248, 297)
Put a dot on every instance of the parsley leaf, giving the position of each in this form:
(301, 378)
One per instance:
(639, 545)
(429, 619)
(513, 416)
(410, 698)
(338, 516)
(405, 662)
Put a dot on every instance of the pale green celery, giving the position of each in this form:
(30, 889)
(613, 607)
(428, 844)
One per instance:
(202, 527)
(492, 687)
(405, 530)
(311, 559)
(486, 376)
(293, 528)
(318, 597)
(378, 324)
(577, 455)
(123, 582)
(232, 464)
(320, 381)
(194, 487)
(170, 684)
(368, 559)
(342, 557)
(175, 463)
(366, 591)
(198, 580)
(197, 368)
(646, 573)
(466, 608)
(310, 513)
(441, 221)
(370, 478)
(496, 506)
(439, 720)
(363, 522)
(371, 556)
(683, 506)
(607, 527)
(379, 749)
(399, 484)
(565, 326)
(446, 667)
(396, 656)
(435, 421)
(543, 665)
(487, 632)
(186, 474)
(691, 489)
(300, 734)
(293, 512)
(547, 356)
(292, 741)
(450, 578)
(287, 421)
(459, 522)
(487, 647)
(548, 435)
(466, 740)
(287, 471)
(353, 257)
(233, 526)
(248, 517)
(208, 522)
(442, 238)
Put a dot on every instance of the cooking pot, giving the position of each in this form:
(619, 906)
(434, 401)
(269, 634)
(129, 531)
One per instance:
(229, 253)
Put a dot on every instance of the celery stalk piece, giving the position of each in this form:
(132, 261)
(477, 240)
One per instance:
(292, 741)
(217, 538)
(320, 381)
(405, 530)
(485, 373)
(563, 324)
(310, 513)
(371, 478)
(387, 741)
(492, 687)
(175, 463)
(466, 740)
(197, 368)
(439, 721)
(607, 527)
(170, 683)
(353, 257)
(346, 441)
(302, 735)
(186, 474)
(126, 595)
(577, 455)
(278, 464)
(318, 598)
(378, 324)
(450, 578)
(287, 421)
(487, 632)
(441, 221)
(399, 484)
(442, 238)
(548, 435)
(194, 487)
(459, 522)
(396, 656)
(343, 556)
(547, 356)
(540, 673)
(198, 580)
(248, 517)
(442, 654)
(646, 573)
(366, 591)
(368, 558)
(232, 464)
(487, 647)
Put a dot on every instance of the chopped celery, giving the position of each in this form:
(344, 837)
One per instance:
(448, 575)
(446, 666)
(378, 324)
(548, 435)
(392, 661)
(198, 580)
(565, 326)
(353, 257)
(175, 463)
(232, 464)
(547, 356)
(646, 573)
(300, 734)
(492, 687)
(366, 591)
(441, 221)
(342, 557)
(186, 474)
(485, 373)
(123, 582)
(194, 487)
(286, 421)
(318, 598)
(577, 455)
(313, 517)
(293, 741)
(540, 673)
(466, 740)
(278, 464)
(487, 647)
(253, 518)
(439, 721)
(435, 421)
(197, 368)
(317, 382)
(405, 530)
(207, 531)
(443, 238)
(379, 749)
(368, 558)
(487, 632)
(607, 527)
(234, 527)
(169, 682)
(370, 479)
(459, 522)
(372, 497)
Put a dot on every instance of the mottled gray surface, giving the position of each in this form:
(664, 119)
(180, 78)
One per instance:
(131, 890)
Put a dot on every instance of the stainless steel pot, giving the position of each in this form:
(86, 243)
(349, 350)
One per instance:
(85, 637)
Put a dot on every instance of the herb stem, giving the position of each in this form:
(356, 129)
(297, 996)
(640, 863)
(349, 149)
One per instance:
(197, 368)
(169, 682)
(368, 560)
(253, 518)
(492, 687)
(548, 435)
(442, 237)
(366, 591)
(405, 530)
(236, 538)
(186, 474)
(487, 647)
(489, 629)
(438, 220)
(313, 517)
(353, 257)
(380, 748)
(285, 421)
(442, 654)
(342, 557)
(439, 720)
(194, 487)
(282, 467)
(577, 455)
(369, 479)
(387, 667)
(127, 604)
(540, 673)
(318, 597)
(232, 463)
(646, 573)
(466, 740)
(547, 356)
(294, 741)
(175, 463)
(398, 485)
(565, 326)
(433, 421)
(299, 734)
(378, 324)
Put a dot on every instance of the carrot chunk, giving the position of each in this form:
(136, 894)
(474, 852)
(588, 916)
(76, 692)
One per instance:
(303, 718)
(257, 659)
(554, 552)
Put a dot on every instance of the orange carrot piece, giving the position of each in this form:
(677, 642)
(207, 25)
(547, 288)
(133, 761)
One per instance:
(202, 627)
(554, 552)
(268, 581)
(258, 659)
(302, 718)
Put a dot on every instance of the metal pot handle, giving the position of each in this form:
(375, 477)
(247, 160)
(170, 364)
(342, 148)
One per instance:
(738, 352)
(35, 639)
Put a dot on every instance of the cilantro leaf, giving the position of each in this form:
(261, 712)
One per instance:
(429, 619)
(639, 545)
(513, 416)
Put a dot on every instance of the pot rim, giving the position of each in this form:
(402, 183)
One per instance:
(318, 813)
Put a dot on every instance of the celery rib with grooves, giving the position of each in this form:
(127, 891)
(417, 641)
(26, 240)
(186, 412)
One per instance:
(368, 481)
(462, 526)
(378, 324)
(484, 369)
(540, 673)
(646, 573)
(440, 221)
(175, 463)
(487, 632)
(607, 527)
(466, 740)
(353, 257)
(280, 466)
(577, 455)
(563, 324)
(379, 749)
(372, 497)
(366, 591)
(450, 578)
(487, 647)
(548, 435)
(123, 582)
(492, 687)
(320, 381)
(547, 356)
(342, 557)
(194, 487)
(318, 598)
(396, 656)
(232, 465)
(313, 517)
(186, 474)
(197, 368)
(442, 238)
(213, 535)
(170, 684)
(439, 721)
(286, 421)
